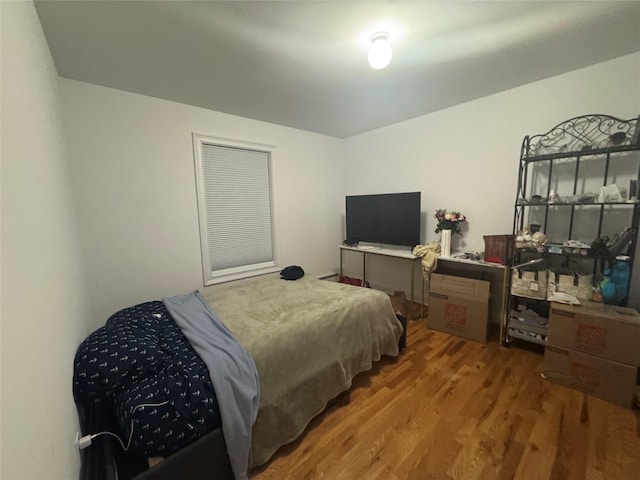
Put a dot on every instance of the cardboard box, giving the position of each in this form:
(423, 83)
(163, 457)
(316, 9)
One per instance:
(606, 331)
(459, 306)
(606, 379)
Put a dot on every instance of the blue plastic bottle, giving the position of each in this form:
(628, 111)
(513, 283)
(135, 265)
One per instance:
(614, 287)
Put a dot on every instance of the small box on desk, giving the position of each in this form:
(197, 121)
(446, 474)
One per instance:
(606, 379)
(606, 331)
(498, 248)
(459, 306)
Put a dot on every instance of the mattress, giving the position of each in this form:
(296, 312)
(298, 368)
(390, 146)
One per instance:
(308, 338)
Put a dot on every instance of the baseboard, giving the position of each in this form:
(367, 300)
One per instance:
(328, 276)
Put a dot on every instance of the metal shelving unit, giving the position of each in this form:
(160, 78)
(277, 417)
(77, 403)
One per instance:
(566, 181)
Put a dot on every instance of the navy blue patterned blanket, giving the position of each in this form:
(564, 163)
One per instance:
(142, 367)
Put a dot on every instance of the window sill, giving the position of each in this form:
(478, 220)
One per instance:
(231, 276)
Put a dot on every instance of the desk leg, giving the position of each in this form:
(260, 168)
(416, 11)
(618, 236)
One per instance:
(364, 269)
(503, 313)
(422, 304)
(341, 251)
(413, 276)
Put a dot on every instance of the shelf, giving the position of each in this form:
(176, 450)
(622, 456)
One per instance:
(529, 317)
(522, 336)
(528, 327)
(580, 156)
(582, 153)
(472, 262)
(573, 204)
(546, 250)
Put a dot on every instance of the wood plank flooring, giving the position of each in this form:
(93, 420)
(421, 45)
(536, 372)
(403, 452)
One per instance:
(454, 409)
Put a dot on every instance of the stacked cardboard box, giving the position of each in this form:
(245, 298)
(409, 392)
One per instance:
(594, 348)
(460, 306)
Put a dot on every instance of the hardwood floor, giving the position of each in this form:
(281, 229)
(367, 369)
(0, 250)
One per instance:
(454, 409)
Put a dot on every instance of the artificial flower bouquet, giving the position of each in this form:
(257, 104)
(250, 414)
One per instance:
(449, 220)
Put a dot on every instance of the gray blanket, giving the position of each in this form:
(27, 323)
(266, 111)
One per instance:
(308, 338)
(232, 371)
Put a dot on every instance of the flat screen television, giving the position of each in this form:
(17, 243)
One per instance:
(387, 218)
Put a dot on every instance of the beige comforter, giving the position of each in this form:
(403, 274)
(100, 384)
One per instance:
(308, 338)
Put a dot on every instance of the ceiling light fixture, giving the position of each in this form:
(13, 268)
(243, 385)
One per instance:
(380, 50)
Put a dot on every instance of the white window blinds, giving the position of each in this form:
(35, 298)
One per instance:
(236, 196)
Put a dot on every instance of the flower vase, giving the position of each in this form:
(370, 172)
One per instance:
(445, 243)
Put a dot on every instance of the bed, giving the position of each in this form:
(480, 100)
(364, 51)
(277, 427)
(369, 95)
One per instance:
(308, 339)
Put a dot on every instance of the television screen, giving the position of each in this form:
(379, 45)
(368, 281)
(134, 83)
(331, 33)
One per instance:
(388, 218)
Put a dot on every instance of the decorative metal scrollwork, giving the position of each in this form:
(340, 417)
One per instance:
(589, 133)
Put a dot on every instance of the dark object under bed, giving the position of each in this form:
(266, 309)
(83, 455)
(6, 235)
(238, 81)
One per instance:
(206, 458)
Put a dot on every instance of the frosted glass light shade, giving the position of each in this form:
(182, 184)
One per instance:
(380, 51)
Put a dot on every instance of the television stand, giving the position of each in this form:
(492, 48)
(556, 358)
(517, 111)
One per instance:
(389, 252)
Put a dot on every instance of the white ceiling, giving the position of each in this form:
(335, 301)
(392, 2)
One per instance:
(303, 64)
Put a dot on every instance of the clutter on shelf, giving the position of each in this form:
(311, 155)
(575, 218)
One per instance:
(526, 240)
(575, 247)
(606, 194)
(607, 249)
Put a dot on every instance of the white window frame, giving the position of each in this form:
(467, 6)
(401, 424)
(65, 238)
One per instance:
(211, 276)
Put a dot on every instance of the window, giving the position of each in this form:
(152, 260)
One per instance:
(234, 186)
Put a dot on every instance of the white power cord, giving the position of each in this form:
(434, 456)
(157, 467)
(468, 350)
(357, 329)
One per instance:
(84, 442)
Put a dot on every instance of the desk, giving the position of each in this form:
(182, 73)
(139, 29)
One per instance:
(389, 252)
(494, 272)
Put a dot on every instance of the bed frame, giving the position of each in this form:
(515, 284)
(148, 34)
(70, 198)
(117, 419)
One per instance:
(204, 459)
(104, 459)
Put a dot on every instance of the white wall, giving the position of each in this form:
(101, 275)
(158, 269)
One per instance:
(44, 308)
(466, 157)
(134, 182)
(133, 176)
